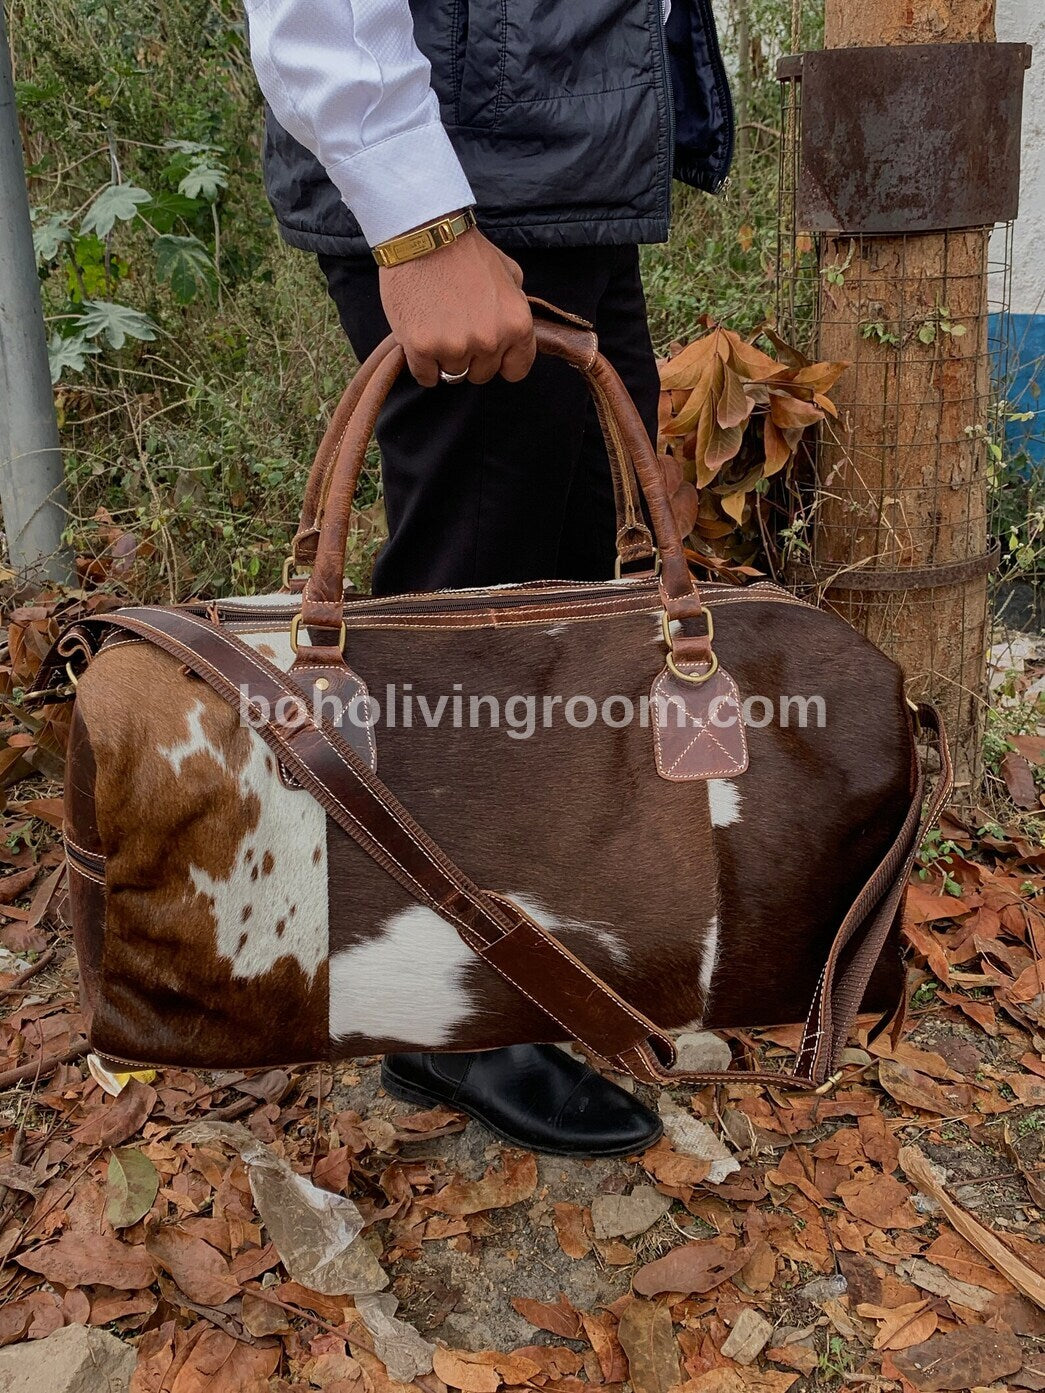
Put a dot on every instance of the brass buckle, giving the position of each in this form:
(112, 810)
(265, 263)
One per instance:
(695, 679)
(295, 625)
(287, 576)
(618, 563)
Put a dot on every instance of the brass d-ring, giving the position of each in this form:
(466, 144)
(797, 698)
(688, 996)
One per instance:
(693, 678)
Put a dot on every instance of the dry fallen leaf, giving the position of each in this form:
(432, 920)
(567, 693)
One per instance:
(601, 1331)
(459, 1369)
(557, 1317)
(647, 1338)
(928, 1277)
(693, 1268)
(514, 1180)
(200, 1271)
(917, 1090)
(740, 1381)
(112, 1122)
(880, 1200)
(571, 1230)
(968, 1358)
(900, 1326)
(82, 1259)
(626, 1216)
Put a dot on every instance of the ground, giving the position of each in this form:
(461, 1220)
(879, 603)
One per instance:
(886, 1234)
(827, 1260)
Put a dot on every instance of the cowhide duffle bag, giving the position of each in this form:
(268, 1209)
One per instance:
(263, 872)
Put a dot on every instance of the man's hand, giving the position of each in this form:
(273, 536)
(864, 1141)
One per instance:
(461, 309)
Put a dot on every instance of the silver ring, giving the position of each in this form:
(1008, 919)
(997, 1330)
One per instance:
(453, 376)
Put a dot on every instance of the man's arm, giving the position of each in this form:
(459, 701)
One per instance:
(347, 80)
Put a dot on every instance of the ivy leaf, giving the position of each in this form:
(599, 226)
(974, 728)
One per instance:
(118, 201)
(116, 323)
(185, 264)
(49, 237)
(71, 353)
(204, 180)
(133, 1183)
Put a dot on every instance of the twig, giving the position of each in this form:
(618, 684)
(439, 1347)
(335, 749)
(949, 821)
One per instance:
(1024, 1278)
(42, 961)
(39, 1067)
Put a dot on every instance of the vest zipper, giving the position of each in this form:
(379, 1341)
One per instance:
(669, 100)
(725, 96)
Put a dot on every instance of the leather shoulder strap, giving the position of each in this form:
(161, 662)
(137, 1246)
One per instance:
(577, 1002)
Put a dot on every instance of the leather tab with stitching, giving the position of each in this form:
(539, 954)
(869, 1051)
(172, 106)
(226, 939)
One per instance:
(698, 730)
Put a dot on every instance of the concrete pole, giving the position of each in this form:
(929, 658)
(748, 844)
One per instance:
(32, 482)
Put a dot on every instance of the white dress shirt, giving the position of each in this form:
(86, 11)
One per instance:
(347, 80)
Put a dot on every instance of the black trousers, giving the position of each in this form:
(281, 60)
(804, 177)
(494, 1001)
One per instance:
(508, 481)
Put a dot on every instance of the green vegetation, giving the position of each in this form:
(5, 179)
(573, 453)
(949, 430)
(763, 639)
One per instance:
(197, 358)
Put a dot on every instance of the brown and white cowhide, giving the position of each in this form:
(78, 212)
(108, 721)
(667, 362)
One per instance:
(242, 927)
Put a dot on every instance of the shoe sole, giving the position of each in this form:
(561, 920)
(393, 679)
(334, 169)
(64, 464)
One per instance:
(414, 1093)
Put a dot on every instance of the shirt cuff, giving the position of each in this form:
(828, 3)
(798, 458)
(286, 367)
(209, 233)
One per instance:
(403, 181)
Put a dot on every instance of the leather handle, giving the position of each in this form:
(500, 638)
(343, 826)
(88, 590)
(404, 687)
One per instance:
(303, 547)
(634, 542)
(323, 594)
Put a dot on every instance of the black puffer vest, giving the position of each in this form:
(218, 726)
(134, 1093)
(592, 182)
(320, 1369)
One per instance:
(569, 117)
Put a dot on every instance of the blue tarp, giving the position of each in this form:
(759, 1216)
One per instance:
(1022, 360)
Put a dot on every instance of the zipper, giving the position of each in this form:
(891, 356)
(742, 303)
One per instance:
(669, 100)
(722, 87)
(438, 603)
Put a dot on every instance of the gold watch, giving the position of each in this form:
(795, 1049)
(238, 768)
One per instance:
(422, 240)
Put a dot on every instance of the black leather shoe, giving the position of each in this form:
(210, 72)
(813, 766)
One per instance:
(533, 1096)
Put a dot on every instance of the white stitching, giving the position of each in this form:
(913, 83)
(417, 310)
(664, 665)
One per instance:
(361, 685)
(665, 771)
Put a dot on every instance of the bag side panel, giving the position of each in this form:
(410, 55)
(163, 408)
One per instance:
(85, 862)
(212, 950)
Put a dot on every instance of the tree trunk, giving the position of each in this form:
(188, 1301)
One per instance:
(903, 476)
(851, 25)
